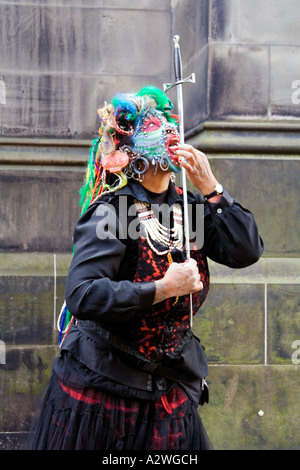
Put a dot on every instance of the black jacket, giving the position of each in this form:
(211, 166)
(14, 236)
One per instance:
(102, 297)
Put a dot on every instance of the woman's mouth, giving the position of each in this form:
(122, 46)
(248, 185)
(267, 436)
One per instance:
(171, 145)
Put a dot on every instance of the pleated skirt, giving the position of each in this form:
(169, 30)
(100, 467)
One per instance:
(75, 418)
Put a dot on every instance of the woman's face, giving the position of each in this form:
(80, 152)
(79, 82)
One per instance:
(156, 139)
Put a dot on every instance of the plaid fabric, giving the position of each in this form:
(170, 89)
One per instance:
(167, 403)
(161, 329)
(71, 418)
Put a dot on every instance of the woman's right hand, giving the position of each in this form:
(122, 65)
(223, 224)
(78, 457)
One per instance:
(179, 279)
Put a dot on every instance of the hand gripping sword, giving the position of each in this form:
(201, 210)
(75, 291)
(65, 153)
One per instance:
(178, 83)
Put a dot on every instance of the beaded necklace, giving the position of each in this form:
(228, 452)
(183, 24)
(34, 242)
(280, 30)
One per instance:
(155, 231)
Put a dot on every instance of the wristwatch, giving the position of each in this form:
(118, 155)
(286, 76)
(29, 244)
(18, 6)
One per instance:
(218, 190)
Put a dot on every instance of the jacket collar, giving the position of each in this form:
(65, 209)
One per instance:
(137, 191)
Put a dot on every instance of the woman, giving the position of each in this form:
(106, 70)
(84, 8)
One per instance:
(131, 373)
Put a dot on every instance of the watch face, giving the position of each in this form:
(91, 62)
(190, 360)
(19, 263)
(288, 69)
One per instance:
(219, 188)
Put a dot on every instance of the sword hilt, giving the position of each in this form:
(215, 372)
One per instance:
(177, 60)
(178, 68)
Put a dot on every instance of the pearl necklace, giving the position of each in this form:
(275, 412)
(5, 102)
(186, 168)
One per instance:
(152, 229)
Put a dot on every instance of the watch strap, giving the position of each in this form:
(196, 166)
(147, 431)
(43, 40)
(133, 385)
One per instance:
(218, 190)
(212, 194)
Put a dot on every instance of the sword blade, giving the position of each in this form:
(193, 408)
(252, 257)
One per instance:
(178, 78)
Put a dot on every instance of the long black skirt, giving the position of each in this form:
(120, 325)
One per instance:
(71, 418)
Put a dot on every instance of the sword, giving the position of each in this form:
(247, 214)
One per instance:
(178, 83)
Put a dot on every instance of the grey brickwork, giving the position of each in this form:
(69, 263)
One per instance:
(58, 62)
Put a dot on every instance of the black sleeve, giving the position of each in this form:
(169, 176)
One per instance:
(92, 291)
(230, 233)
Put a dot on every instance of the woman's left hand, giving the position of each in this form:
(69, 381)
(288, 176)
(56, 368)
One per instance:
(197, 168)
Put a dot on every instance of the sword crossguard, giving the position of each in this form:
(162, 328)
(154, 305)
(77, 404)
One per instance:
(190, 79)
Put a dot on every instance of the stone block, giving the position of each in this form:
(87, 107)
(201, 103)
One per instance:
(239, 81)
(195, 95)
(27, 308)
(255, 22)
(23, 379)
(268, 188)
(72, 100)
(191, 23)
(39, 208)
(284, 323)
(13, 440)
(270, 26)
(77, 39)
(277, 271)
(62, 53)
(230, 324)
(284, 81)
(239, 393)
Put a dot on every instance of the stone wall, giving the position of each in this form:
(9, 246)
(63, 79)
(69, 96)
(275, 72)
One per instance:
(59, 62)
(250, 323)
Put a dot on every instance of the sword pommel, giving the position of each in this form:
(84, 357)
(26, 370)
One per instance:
(176, 40)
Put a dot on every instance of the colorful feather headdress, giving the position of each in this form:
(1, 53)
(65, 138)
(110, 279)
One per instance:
(111, 152)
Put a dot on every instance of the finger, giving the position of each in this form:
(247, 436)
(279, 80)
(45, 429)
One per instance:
(201, 154)
(185, 154)
(199, 287)
(189, 150)
(188, 167)
(194, 160)
(191, 261)
(187, 147)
